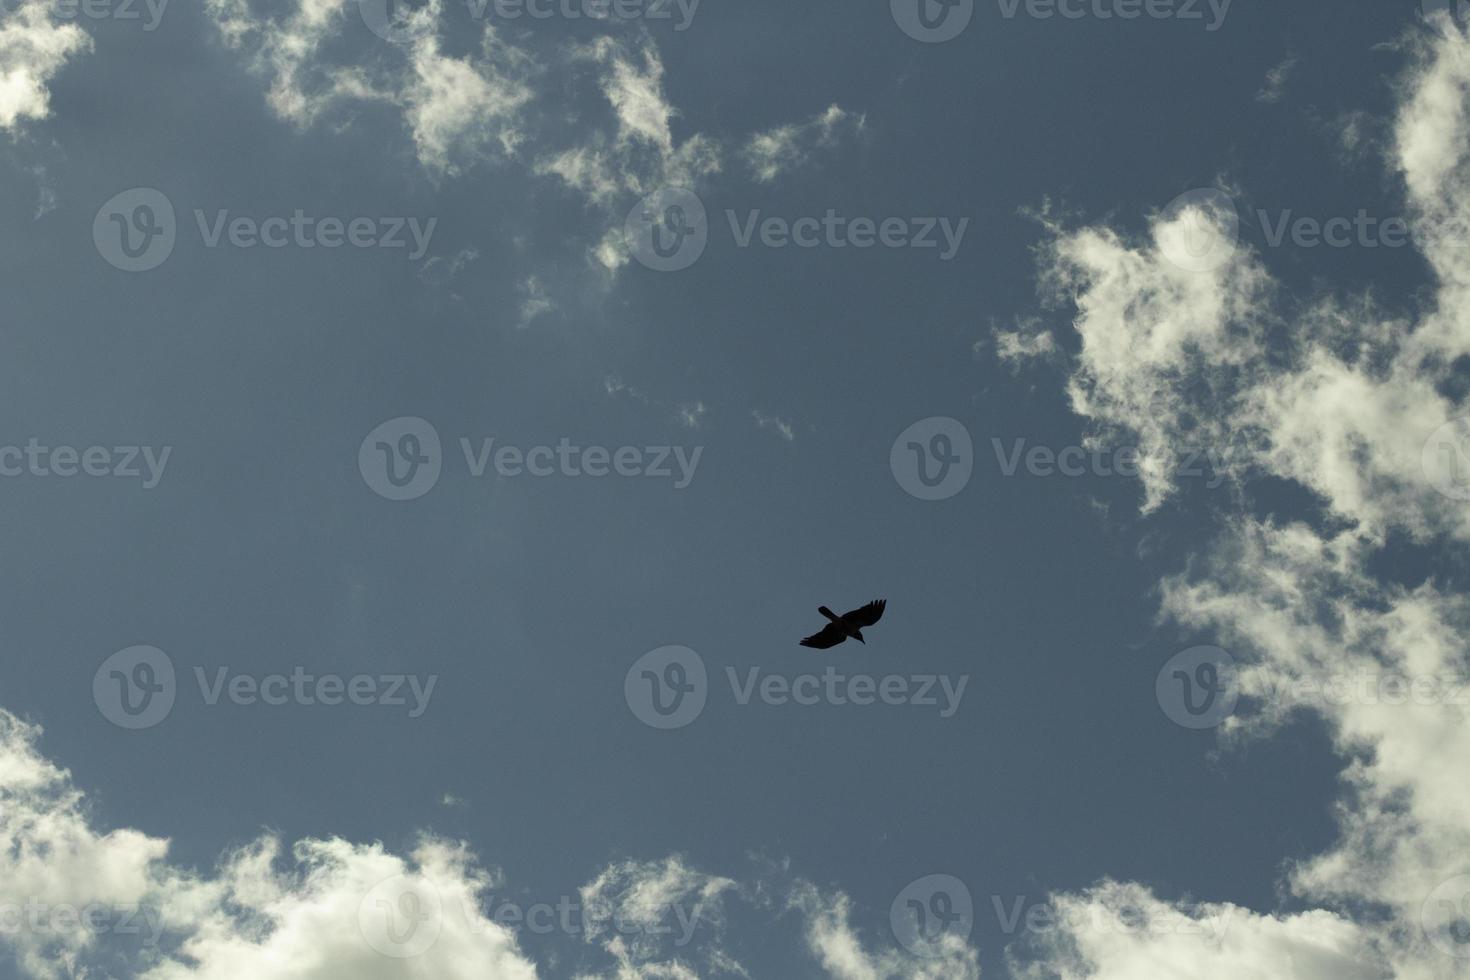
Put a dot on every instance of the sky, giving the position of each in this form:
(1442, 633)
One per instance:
(430, 428)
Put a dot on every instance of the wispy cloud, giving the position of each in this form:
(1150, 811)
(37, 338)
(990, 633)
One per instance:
(1275, 85)
(780, 426)
(775, 151)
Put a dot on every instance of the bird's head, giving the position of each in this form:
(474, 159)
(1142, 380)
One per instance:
(859, 637)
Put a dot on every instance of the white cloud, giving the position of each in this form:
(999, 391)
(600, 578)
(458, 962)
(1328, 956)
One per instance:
(455, 109)
(259, 916)
(33, 48)
(638, 153)
(843, 955)
(331, 909)
(1122, 932)
(1339, 398)
(774, 151)
(504, 102)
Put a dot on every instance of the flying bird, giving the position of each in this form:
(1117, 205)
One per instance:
(841, 627)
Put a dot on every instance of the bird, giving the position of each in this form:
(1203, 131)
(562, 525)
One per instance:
(851, 624)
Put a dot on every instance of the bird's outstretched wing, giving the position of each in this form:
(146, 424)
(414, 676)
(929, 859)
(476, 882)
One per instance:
(830, 636)
(867, 615)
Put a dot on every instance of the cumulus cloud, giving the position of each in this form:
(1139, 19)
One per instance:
(316, 914)
(78, 901)
(33, 48)
(1122, 932)
(1339, 397)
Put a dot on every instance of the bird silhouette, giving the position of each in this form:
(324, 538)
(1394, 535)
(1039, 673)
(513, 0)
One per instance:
(847, 625)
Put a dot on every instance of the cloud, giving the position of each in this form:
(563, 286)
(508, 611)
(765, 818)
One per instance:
(456, 110)
(33, 48)
(594, 117)
(691, 414)
(260, 916)
(1122, 932)
(1339, 397)
(76, 901)
(774, 151)
(647, 914)
(1276, 79)
(781, 427)
(836, 945)
(534, 300)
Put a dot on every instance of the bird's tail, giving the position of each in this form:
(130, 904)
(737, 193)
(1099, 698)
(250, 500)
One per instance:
(827, 612)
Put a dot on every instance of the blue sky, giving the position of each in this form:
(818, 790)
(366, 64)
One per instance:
(403, 403)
